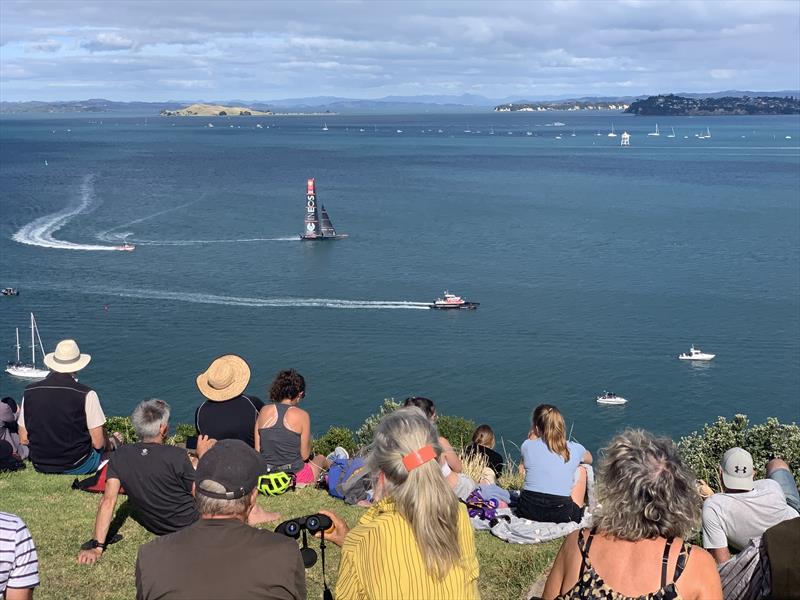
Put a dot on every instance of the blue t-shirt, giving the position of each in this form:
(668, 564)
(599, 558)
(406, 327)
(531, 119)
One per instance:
(545, 471)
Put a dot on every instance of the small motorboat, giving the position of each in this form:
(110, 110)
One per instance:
(10, 292)
(453, 302)
(696, 354)
(610, 398)
(126, 247)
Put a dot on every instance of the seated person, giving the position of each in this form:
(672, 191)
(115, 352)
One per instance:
(416, 541)
(745, 508)
(9, 430)
(638, 547)
(157, 478)
(450, 462)
(483, 444)
(555, 486)
(227, 414)
(19, 563)
(283, 431)
(220, 556)
(61, 420)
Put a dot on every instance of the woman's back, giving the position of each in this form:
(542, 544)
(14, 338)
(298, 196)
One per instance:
(594, 565)
(548, 472)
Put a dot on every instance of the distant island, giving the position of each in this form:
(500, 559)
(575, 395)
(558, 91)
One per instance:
(729, 105)
(562, 105)
(215, 110)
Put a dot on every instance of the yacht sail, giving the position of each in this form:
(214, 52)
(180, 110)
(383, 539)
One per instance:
(28, 371)
(318, 225)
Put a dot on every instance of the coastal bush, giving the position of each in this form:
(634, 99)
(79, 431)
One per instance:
(335, 436)
(457, 430)
(123, 426)
(366, 432)
(702, 451)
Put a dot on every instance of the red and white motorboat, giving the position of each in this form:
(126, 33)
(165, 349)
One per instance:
(453, 302)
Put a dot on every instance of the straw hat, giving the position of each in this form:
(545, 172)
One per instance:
(226, 378)
(67, 358)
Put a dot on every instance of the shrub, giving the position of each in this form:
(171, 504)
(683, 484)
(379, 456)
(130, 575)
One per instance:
(703, 451)
(122, 425)
(181, 432)
(366, 432)
(335, 436)
(457, 430)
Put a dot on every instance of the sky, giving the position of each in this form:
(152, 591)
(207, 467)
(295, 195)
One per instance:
(150, 50)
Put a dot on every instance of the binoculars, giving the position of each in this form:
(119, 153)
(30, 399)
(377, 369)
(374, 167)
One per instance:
(311, 523)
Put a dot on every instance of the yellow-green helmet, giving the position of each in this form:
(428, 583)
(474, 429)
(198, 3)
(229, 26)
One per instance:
(275, 484)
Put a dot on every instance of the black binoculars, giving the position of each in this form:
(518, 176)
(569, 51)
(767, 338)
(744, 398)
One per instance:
(311, 523)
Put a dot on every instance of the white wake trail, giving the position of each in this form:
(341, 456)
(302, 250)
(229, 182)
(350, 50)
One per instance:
(107, 237)
(295, 238)
(289, 302)
(40, 231)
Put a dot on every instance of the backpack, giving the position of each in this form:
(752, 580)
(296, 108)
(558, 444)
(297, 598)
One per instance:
(96, 483)
(348, 480)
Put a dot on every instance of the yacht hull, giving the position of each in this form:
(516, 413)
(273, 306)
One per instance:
(704, 357)
(26, 371)
(465, 306)
(322, 238)
(617, 400)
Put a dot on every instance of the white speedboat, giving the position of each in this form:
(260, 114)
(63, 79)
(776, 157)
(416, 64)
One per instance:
(451, 302)
(610, 398)
(696, 354)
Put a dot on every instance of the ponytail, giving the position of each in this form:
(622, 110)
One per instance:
(549, 425)
(421, 495)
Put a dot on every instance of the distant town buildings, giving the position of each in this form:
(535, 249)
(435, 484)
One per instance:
(571, 106)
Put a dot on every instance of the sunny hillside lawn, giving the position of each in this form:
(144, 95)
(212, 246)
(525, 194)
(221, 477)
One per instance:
(61, 519)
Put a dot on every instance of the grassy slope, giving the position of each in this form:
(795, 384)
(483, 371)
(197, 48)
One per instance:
(60, 519)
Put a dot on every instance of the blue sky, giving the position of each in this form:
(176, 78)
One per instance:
(154, 51)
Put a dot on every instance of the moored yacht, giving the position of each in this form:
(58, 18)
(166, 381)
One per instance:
(17, 368)
(453, 302)
(696, 354)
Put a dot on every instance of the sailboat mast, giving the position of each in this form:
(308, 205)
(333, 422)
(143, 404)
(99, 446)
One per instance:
(33, 344)
(312, 229)
(18, 346)
(38, 337)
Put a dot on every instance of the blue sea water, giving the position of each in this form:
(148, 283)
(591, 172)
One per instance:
(595, 265)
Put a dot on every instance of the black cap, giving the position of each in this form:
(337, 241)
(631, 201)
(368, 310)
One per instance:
(232, 464)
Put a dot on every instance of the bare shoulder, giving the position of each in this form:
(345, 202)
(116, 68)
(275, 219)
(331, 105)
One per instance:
(701, 578)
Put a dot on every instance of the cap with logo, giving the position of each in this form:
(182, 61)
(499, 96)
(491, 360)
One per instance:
(231, 464)
(737, 469)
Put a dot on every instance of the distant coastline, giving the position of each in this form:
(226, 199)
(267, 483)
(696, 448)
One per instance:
(679, 106)
(215, 110)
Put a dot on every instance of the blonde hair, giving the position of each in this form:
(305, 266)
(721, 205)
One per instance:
(483, 436)
(549, 425)
(421, 495)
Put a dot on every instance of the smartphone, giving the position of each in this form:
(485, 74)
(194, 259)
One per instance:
(191, 443)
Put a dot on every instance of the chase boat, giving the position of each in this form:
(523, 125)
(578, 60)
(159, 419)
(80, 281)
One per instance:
(9, 292)
(696, 354)
(453, 302)
(610, 398)
(126, 247)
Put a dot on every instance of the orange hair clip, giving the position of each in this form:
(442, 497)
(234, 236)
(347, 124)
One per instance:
(412, 460)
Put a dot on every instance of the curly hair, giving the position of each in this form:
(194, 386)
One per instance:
(645, 490)
(286, 385)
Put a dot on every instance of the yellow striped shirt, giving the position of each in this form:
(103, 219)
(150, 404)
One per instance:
(382, 561)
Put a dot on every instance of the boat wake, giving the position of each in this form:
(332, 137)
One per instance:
(200, 298)
(40, 231)
(295, 238)
(114, 235)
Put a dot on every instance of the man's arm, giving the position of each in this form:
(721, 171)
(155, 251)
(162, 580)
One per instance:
(720, 554)
(98, 438)
(23, 435)
(19, 594)
(105, 513)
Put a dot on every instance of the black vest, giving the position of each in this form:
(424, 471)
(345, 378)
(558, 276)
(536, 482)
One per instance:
(55, 418)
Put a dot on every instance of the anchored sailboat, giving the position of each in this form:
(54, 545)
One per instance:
(318, 225)
(28, 371)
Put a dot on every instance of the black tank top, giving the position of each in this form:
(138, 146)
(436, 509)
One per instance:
(281, 446)
(591, 586)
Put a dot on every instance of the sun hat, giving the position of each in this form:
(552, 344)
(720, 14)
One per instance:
(225, 378)
(231, 464)
(67, 358)
(737, 469)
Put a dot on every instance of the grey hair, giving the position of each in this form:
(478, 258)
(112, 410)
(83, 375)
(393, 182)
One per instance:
(148, 417)
(218, 506)
(645, 489)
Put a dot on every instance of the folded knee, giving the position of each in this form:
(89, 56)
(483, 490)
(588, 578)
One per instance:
(775, 464)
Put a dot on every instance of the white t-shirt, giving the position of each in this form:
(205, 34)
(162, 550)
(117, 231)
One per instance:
(735, 519)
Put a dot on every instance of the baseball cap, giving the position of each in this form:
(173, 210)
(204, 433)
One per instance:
(232, 464)
(737, 469)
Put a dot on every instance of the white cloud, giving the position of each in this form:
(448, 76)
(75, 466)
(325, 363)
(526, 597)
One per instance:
(109, 41)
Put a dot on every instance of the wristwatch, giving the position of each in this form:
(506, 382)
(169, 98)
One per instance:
(92, 544)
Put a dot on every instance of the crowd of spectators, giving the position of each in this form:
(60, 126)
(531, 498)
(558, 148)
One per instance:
(416, 539)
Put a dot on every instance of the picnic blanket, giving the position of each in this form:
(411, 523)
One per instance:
(516, 530)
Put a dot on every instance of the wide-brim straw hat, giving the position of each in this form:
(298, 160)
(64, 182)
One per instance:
(225, 378)
(67, 358)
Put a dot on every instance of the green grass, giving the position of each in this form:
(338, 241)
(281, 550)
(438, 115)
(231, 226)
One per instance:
(60, 519)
